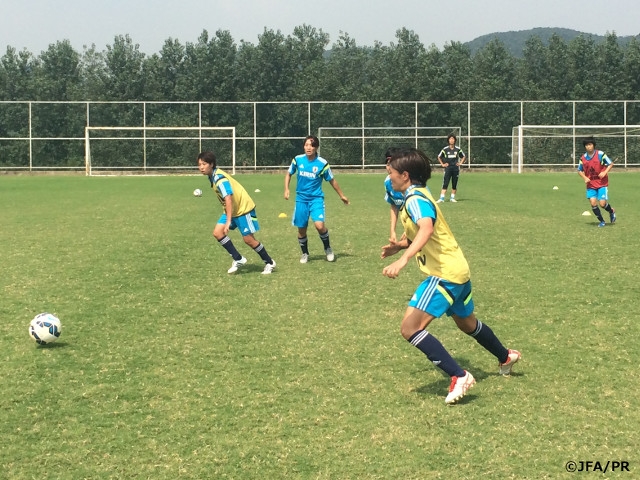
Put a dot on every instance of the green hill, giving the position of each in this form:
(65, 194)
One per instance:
(515, 40)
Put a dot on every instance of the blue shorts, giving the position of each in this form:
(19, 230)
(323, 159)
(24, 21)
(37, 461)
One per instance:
(437, 297)
(601, 193)
(246, 224)
(305, 209)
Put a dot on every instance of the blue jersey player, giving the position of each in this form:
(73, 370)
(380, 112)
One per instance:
(311, 171)
(393, 198)
(239, 212)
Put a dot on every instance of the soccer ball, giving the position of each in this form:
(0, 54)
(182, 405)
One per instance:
(45, 328)
(197, 192)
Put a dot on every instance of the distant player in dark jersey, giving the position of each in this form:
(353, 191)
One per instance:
(450, 158)
(239, 212)
(594, 168)
(311, 171)
(393, 198)
(447, 288)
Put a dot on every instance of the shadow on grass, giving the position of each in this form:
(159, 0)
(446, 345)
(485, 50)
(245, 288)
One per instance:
(53, 345)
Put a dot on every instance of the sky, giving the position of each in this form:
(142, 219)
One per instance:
(35, 24)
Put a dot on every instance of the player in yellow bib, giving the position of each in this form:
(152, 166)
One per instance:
(239, 211)
(447, 288)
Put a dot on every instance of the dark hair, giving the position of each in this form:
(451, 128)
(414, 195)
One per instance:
(389, 153)
(588, 140)
(315, 143)
(452, 135)
(414, 162)
(208, 157)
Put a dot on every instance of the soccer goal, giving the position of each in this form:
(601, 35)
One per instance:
(557, 146)
(364, 147)
(155, 150)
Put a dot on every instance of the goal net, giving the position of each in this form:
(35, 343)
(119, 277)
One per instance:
(360, 147)
(557, 146)
(155, 150)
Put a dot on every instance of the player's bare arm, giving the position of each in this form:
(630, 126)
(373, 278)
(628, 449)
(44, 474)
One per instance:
(287, 180)
(228, 210)
(336, 187)
(394, 247)
(425, 232)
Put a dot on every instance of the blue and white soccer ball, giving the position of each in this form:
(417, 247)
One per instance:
(197, 192)
(45, 328)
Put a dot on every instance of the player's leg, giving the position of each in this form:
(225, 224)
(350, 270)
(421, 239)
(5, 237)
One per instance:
(603, 199)
(248, 226)
(461, 311)
(227, 244)
(426, 304)
(454, 185)
(318, 215)
(445, 184)
(301, 220)
(592, 196)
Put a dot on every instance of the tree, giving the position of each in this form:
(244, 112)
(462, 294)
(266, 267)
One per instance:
(124, 70)
(581, 69)
(608, 63)
(210, 68)
(93, 73)
(534, 71)
(17, 71)
(59, 74)
(631, 72)
(405, 69)
(343, 71)
(494, 73)
(265, 71)
(454, 74)
(164, 72)
(308, 47)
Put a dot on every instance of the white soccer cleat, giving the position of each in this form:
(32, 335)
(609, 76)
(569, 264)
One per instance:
(236, 265)
(304, 258)
(268, 268)
(459, 387)
(440, 200)
(505, 368)
(453, 200)
(330, 256)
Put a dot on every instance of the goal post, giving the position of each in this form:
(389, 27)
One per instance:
(558, 146)
(364, 147)
(144, 150)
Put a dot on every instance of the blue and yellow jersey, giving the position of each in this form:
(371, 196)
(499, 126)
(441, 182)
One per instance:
(441, 256)
(224, 185)
(391, 196)
(311, 173)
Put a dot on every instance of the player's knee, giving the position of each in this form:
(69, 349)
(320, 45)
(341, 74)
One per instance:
(406, 331)
(250, 240)
(218, 233)
(468, 324)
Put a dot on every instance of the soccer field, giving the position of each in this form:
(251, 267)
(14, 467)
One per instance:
(168, 367)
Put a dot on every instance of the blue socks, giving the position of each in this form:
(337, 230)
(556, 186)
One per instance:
(230, 247)
(435, 351)
(485, 337)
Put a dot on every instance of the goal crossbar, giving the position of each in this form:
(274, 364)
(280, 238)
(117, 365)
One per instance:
(198, 137)
(560, 145)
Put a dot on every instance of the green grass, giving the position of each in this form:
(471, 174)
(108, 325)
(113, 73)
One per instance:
(169, 368)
